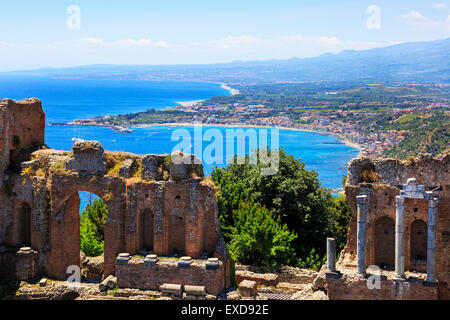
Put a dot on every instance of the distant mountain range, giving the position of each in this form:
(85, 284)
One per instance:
(407, 62)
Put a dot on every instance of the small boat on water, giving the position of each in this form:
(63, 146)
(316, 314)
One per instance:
(121, 129)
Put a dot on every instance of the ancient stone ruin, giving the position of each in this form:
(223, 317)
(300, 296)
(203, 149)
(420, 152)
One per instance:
(157, 205)
(162, 231)
(398, 243)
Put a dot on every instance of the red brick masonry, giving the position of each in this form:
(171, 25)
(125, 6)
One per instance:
(135, 274)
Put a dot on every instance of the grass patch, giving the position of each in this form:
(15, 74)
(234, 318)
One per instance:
(59, 167)
(115, 170)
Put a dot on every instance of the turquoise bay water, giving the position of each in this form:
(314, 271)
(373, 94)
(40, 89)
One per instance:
(69, 99)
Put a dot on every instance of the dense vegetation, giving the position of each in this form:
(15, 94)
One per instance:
(92, 222)
(302, 213)
(258, 236)
(428, 134)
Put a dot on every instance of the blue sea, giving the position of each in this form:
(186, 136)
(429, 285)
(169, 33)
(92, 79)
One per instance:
(68, 99)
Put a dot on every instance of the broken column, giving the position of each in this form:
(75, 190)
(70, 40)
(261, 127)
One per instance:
(399, 230)
(431, 241)
(26, 264)
(331, 254)
(361, 231)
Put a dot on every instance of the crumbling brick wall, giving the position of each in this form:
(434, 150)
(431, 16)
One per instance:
(389, 175)
(131, 186)
(22, 126)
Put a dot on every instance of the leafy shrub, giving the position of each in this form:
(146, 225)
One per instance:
(89, 243)
(259, 238)
(312, 261)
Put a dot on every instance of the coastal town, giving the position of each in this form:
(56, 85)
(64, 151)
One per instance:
(373, 127)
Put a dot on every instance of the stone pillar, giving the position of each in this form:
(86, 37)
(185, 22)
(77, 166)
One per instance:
(27, 265)
(399, 230)
(431, 241)
(361, 230)
(331, 255)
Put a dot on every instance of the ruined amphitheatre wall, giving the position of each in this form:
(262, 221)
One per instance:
(157, 203)
(382, 180)
(22, 126)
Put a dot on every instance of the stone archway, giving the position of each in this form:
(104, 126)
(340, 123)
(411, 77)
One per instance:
(65, 236)
(418, 242)
(385, 242)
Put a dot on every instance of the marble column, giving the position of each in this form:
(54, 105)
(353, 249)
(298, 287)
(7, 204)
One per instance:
(431, 246)
(361, 232)
(331, 254)
(399, 230)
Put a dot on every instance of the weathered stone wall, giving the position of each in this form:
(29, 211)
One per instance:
(136, 274)
(381, 181)
(191, 201)
(22, 126)
(163, 201)
(427, 170)
(27, 123)
(352, 287)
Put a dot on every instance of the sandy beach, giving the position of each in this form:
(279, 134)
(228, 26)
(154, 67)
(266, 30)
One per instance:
(194, 102)
(232, 91)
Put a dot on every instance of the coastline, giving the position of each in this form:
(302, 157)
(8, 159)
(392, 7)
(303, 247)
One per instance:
(188, 124)
(194, 102)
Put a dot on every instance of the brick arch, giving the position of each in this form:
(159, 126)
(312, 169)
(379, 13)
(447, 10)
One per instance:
(385, 242)
(64, 224)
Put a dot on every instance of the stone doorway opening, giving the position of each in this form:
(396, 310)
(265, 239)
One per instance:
(385, 243)
(72, 232)
(93, 217)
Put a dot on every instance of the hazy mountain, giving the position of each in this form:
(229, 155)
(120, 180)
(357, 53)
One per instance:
(407, 62)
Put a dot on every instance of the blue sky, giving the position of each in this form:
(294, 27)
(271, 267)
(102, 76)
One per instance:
(35, 33)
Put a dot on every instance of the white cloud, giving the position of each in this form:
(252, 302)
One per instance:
(412, 15)
(92, 41)
(417, 20)
(441, 6)
(141, 42)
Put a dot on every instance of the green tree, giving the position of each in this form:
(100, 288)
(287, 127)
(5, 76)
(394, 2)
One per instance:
(294, 194)
(89, 243)
(342, 215)
(97, 214)
(92, 221)
(259, 238)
